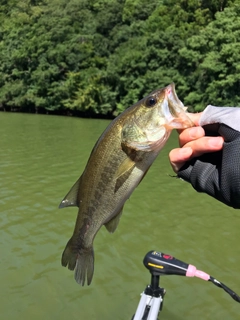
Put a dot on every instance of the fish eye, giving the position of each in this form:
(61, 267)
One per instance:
(151, 101)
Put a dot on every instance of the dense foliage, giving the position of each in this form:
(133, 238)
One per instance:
(101, 56)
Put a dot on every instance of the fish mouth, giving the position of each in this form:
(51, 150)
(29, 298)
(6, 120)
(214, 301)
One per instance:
(174, 110)
(173, 100)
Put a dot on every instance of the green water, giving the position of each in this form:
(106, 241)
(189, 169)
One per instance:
(41, 157)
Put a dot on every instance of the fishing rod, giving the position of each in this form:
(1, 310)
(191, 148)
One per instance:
(158, 264)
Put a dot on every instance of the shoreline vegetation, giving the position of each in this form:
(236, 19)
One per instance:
(66, 113)
(95, 58)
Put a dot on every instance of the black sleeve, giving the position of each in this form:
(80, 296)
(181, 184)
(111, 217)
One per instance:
(217, 173)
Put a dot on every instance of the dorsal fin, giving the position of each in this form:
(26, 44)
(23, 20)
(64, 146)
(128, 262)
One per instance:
(71, 199)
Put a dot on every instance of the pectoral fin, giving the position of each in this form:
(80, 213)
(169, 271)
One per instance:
(111, 225)
(71, 199)
(123, 172)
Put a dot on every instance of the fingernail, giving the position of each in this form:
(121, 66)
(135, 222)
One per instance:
(215, 142)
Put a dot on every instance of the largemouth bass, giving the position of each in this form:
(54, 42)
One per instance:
(118, 162)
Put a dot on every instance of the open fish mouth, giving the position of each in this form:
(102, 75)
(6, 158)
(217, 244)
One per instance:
(174, 110)
(171, 96)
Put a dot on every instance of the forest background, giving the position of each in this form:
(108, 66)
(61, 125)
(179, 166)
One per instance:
(97, 57)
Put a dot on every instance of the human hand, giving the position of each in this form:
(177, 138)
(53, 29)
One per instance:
(193, 143)
(209, 156)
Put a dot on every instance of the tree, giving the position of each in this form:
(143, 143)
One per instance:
(98, 57)
(212, 61)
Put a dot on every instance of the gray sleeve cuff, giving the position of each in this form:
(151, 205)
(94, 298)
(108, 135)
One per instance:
(228, 115)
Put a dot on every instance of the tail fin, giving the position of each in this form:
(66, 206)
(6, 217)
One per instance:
(81, 260)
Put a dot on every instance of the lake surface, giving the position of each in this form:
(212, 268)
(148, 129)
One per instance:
(41, 157)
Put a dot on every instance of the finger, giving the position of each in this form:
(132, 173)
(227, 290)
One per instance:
(194, 149)
(205, 145)
(179, 156)
(190, 134)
